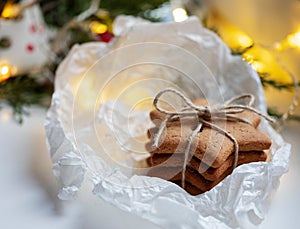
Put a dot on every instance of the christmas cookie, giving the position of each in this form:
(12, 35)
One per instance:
(211, 154)
(210, 146)
(209, 173)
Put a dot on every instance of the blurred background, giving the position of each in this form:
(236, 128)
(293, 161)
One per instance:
(35, 36)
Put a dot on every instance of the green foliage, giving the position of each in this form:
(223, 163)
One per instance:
(22, 91)
(275, 84)
(130, 7)
(239, 52)
(59, 12)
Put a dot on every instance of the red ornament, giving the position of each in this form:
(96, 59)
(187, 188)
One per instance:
(30, 48)
(32, 28)
(105, 37)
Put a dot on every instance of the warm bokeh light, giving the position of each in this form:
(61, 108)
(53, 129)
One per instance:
(136, 97)
(5, 72)
(97, 27)
(243, 39)
(264, 61)
(235, 38)
(258, 66)
(10, 10)
(179, 14)
(293, 40)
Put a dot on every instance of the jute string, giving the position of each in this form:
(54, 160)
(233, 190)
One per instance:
(205, 115)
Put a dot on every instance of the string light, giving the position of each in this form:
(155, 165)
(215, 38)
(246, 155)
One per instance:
(260, 59)
(265, 61)
(263, 58)
(257, 66)
(243, 39)
(97, 27)
(179, 14)
(293, 40)
(236, 39)
(5, 72)
(12, 11)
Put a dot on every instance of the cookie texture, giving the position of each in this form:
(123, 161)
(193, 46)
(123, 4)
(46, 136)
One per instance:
(192, 176)
(209, 173)
(189, 188)
(211, 156)
(210, 146)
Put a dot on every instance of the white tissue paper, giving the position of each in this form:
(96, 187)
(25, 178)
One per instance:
(97, 123)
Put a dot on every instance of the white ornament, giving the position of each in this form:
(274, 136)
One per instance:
(29, 48)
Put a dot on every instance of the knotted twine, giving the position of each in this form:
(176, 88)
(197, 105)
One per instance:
(205, 115)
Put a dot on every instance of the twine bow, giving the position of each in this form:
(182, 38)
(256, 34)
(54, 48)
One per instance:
(205, 115)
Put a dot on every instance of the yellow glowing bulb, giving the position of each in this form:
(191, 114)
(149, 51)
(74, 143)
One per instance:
(179, 14)
(244, 40)
(10, 10)
(235, 38)
(5, 72)
(258, 66)
(294, 40)
(265, 61)
(97, 27)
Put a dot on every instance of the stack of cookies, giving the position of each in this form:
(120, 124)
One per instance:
(211, 157)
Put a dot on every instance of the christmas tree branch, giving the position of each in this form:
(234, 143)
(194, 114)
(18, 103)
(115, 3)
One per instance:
(275, 84)
(22, 91)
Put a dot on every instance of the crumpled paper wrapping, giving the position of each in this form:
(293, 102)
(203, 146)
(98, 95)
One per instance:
(94, 120)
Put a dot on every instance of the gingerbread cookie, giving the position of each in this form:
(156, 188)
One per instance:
(211, 146)
(209, 173)
(192, 176)
(189, 188)
(210, 157)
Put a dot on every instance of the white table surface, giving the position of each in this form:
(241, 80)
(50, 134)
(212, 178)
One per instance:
(28, 189)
